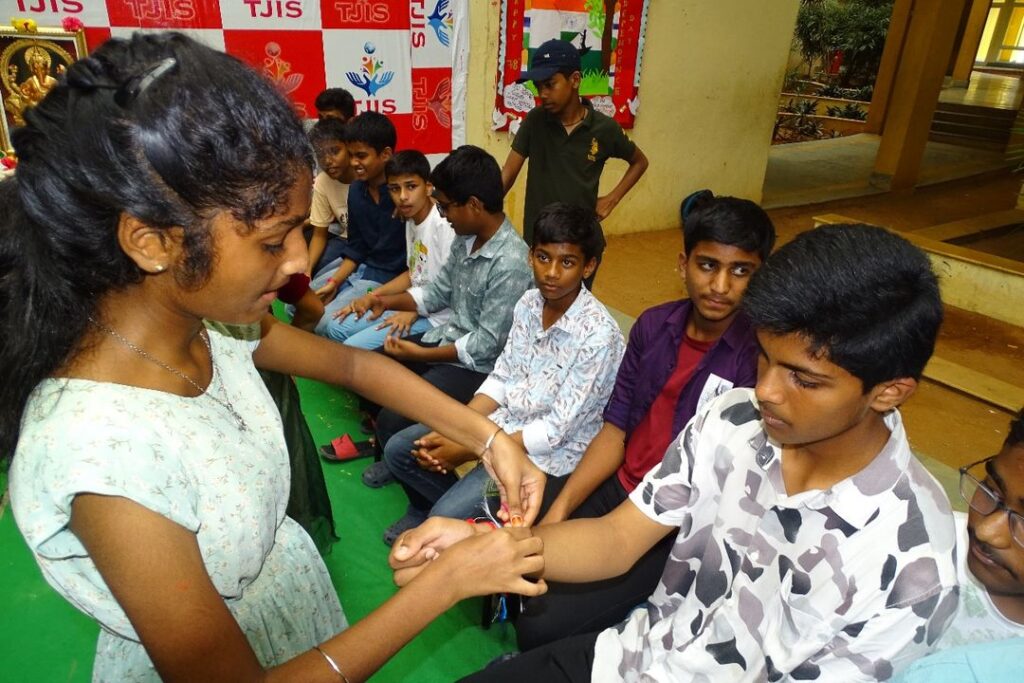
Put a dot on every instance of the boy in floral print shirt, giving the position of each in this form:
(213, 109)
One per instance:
(548, 388)
(811, 543)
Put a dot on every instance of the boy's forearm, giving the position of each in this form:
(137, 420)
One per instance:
(510, 171)
(439, 354)
(601, 460)
(637, 166)
(483, 404)
(317, 244)
(347, 267)
(395, 285)
(308, 311)
(594, 549)
(398, 302)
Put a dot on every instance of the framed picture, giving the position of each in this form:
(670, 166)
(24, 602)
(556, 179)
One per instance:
(30, 64)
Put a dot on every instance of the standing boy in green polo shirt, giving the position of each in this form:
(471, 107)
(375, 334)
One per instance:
(567, 141)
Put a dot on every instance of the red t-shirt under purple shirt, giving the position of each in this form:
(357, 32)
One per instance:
(646, 446)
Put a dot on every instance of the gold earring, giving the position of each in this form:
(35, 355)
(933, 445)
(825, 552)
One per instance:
(160, 267)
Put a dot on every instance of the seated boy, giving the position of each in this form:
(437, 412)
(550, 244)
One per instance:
(375, 250)
(328, 214)
(548, 386)
(428, 241)
(680, 355)
(986, 639)
(810, 543)
(335, 103)
(485, 275)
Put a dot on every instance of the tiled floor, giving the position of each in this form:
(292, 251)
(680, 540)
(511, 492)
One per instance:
(825, 170)
(996, 91)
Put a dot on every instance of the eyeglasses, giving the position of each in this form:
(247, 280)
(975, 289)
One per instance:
(985, 501)
(444, 207)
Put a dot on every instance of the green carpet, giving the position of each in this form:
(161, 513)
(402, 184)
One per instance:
(43, 638)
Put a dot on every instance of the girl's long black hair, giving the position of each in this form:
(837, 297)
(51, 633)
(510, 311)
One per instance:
(159, 127)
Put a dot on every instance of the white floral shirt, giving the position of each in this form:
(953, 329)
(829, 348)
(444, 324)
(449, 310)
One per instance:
(553, 384)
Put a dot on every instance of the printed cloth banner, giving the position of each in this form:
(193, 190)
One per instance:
(609, 35)
(403, 58)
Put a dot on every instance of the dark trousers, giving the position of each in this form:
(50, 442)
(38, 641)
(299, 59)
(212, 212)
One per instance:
(454, 380)
(570, 660)
(571, 609)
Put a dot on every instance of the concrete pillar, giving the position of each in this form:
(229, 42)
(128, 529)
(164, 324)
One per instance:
(886, 76)
(922, 67)
(977, 15)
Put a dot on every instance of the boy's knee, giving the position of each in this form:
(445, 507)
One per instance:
(339, 330)
(397, 456)
(321, 329)
(397, 451)
(534, 627)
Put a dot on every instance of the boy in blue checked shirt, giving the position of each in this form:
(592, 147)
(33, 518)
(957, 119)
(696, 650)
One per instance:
(549, 385)
(485, 274)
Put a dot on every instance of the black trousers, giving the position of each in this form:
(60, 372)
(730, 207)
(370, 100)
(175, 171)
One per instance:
(456, 381)
(570, 660)
(572, 609)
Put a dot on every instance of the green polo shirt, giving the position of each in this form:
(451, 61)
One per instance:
(566, 167)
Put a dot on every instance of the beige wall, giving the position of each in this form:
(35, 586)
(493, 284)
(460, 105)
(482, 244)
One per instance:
(709, 90)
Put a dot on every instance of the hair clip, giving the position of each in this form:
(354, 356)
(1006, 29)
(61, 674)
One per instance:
(136, 85)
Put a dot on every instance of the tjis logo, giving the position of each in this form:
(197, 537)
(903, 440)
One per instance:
(370, 79)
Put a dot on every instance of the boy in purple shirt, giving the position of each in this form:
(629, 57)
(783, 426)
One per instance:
(680, 355)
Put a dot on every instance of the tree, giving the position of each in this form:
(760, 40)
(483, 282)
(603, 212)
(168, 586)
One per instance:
(857, 28)
(599, 21)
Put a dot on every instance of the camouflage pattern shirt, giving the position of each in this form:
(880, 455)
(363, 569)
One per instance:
(846, 584)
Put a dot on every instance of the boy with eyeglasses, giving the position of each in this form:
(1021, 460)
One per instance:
(986, 639)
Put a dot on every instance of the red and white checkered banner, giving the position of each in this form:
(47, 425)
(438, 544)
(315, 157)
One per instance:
(404, 58)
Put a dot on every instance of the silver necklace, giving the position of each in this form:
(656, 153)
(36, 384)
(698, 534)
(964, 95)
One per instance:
(226, 403)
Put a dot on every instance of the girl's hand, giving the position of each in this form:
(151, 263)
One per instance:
(520, 482)
(417, 547)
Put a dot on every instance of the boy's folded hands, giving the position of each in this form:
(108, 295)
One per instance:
(440, 454)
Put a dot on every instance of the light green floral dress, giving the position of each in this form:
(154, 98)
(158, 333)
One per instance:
(188, 460)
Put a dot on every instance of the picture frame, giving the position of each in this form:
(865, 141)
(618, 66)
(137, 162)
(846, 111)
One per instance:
(31, 64)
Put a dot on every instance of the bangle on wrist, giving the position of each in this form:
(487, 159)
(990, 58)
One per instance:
(333, 664)
(488, 443)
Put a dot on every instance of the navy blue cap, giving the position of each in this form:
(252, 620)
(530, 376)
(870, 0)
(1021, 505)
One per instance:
(551, 58)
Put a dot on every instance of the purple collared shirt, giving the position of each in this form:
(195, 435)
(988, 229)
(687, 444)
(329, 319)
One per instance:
(651, 356)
